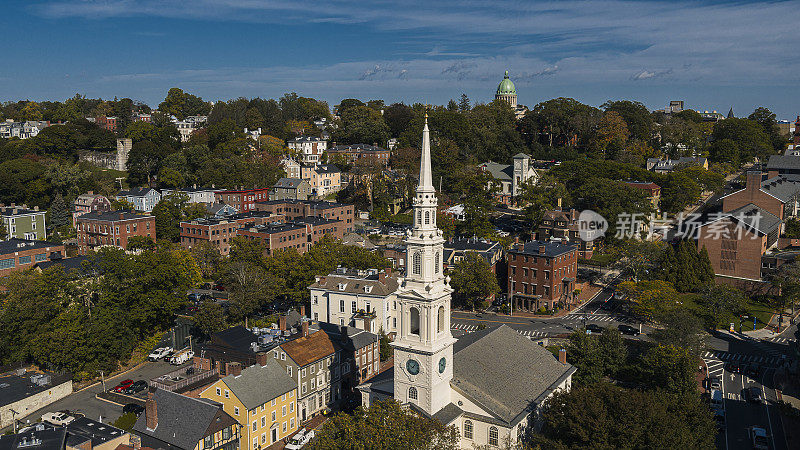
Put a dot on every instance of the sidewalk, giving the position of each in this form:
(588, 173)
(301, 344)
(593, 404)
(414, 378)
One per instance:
(774, 323)
(788, 390)
(588, 292)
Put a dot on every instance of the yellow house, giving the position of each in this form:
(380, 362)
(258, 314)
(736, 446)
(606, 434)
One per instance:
(263, 399)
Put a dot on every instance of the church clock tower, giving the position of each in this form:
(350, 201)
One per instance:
(423, 348)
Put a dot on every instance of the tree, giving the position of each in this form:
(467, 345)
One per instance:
(637, 117)
(582, 353)
(59, 213)
(249, 288)
(671, 368)
(649, 300)
(398, 116)
(169, 213)
(725, 150)
(542, 197)
(473, 281)
(612, 351)
(125, 421)
(3, 232)
(612, 134)
(385, 425)
(721, 300)
(361, 124)
(181, 104)
(210, 317)
(766, 119)
(464, 104)
(386, 349)
(752, 140)
(207, 256)
(681, 329)
(607, 416)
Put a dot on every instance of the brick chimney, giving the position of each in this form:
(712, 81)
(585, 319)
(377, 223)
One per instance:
(261, 358)
(282, 323)
(541, 249)
(302, 310)
(234, 368)
(151, 410)
(305, 328)
(562, 356)
(343, 333)
(753, 180)
(121, 216)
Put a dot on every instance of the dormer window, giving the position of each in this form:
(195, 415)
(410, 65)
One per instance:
(367, 289)
(342, 286)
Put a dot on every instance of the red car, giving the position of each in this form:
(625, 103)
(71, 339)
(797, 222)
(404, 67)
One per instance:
(122, 385)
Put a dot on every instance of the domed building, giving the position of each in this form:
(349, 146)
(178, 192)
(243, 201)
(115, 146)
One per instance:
(506, 91)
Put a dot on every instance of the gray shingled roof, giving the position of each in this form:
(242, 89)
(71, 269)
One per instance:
(502, 172)
(356, 285)
(135, 192)
(182, 421)
(356, 338)
(257, 385)
(754, 218)
(550, 248)
(288, 183)
(782, 187)
(17, 245)
(778, 162)
(504, 372)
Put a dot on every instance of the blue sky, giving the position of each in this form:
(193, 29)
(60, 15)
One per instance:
(713, 55)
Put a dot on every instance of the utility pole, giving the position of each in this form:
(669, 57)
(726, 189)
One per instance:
(103, 380)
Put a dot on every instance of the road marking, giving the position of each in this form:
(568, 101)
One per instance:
(492, 321)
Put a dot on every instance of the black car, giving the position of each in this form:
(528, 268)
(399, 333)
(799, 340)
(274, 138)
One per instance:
(132, 408)
(753, 394)
(594, 328)
(753, 371)
(137, 386)
(629, 330)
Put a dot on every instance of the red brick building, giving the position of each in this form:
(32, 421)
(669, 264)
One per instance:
(541, 274)
(20, 254)
(294, 209)
(113, 228)
(220, 230)
(243, 200)
(299, 234)
(107, 123)
(563, 225)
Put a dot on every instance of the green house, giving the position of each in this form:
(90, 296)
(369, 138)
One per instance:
(24, 223)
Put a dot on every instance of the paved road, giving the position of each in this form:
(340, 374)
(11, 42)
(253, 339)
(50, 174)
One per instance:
(740, 414)
(86, 403)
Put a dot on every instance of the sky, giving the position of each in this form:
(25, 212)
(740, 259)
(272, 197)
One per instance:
(714, 55)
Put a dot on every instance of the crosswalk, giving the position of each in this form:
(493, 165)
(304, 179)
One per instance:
(716, 355)
(578, 317)
(780, 340)
(716, 367)
(469, 328)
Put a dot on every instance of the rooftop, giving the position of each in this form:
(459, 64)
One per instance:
(782, 187)
(17, 245)
(288, 183)
(361, 284)
(257, 385)
(357, 147)
(15, 387)
(15, 210)
(135, 192)
(83, 429)
(783, 162)
(113, 216)
(551, 249)
(356, 337)
(308, 349)
(40, 437)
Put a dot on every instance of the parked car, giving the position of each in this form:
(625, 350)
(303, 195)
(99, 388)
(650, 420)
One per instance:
(717, 401)
(159, 353)
(618, 295)
(136, 387)
(753, 394)
(594, 328)
(300, 439)
(758, 438)
(629, 330)
(122, 385)
(57, 418)
(715, 383)
(133, 408)
(181, 357)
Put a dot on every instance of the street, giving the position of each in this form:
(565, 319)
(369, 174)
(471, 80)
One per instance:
(86, 403)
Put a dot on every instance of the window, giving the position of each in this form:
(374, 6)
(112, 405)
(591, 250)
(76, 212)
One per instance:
(263, 422)
(427, 217)
(41, 257)
(283, 427)
(255, 425)
(441, 318)
(303, 372)
(304, 389)
(273, 416)
(283, 356)
(7, 263)
(341, 305)
(24, 259)
(283, 411)
(219, 391)
(291, 408)
(289, 370)
(492, 435)
(468, 429)
(273, 402)
(414, 321)
(227, 394)
(417, 263)
(353, 307)
(236, 410)
(436, 263)
(291, 423)
(412, 393)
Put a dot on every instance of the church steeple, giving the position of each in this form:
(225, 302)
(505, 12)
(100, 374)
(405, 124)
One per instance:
(425, 176)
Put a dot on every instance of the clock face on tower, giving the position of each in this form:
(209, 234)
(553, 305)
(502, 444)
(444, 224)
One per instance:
(442, 365)
(412, 366)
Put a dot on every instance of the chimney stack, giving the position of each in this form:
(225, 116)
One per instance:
(562, 356)
(343, 333)
(305, 328)
(261, 359)
(302, 310)
(753, 179)
(282, 323)
(151, 410)
(541, 249)
(234, 368)
(121, 216)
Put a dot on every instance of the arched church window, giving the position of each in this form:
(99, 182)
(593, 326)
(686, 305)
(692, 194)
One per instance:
(412, 393)
(441, 319)
(419, 217)
(427, 217)
(436, 263)
(417, 263)
(414, 321)
(492, 435)
(468, 429)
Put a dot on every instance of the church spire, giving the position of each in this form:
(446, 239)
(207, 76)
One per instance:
(425, 176)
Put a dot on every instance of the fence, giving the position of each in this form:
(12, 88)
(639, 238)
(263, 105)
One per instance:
(178, 379)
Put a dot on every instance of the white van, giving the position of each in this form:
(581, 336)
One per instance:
(716, 399)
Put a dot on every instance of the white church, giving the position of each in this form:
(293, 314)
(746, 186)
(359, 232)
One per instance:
(490, 384)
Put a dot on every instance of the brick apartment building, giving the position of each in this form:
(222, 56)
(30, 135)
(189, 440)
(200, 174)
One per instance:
(242, 199)
(355, 152)
(294, 209)
(107, 123)
(299, 234)
(541, 274)
(220, 230)
(744, 243)
(20, 254)
(563, 225)
(113, 228)
(89, 202)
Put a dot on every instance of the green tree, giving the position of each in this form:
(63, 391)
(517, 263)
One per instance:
(542, 197)
(584, 355)
(169, 213)
(207, 256)
(749, 135)
(210, 317)
(637, 117)
(681, 329)
(720, 301)
(649, 300)
(473, 282)
(59, 213)
(361, 124)
(671, 368)
(125, 421)
(385, 425)
(612, 351)
(182, 104)
(386, 349)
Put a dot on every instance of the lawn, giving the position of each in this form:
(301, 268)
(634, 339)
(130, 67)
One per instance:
(762, 311)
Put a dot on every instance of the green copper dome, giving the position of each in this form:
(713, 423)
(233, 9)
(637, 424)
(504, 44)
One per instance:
(506, 86)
